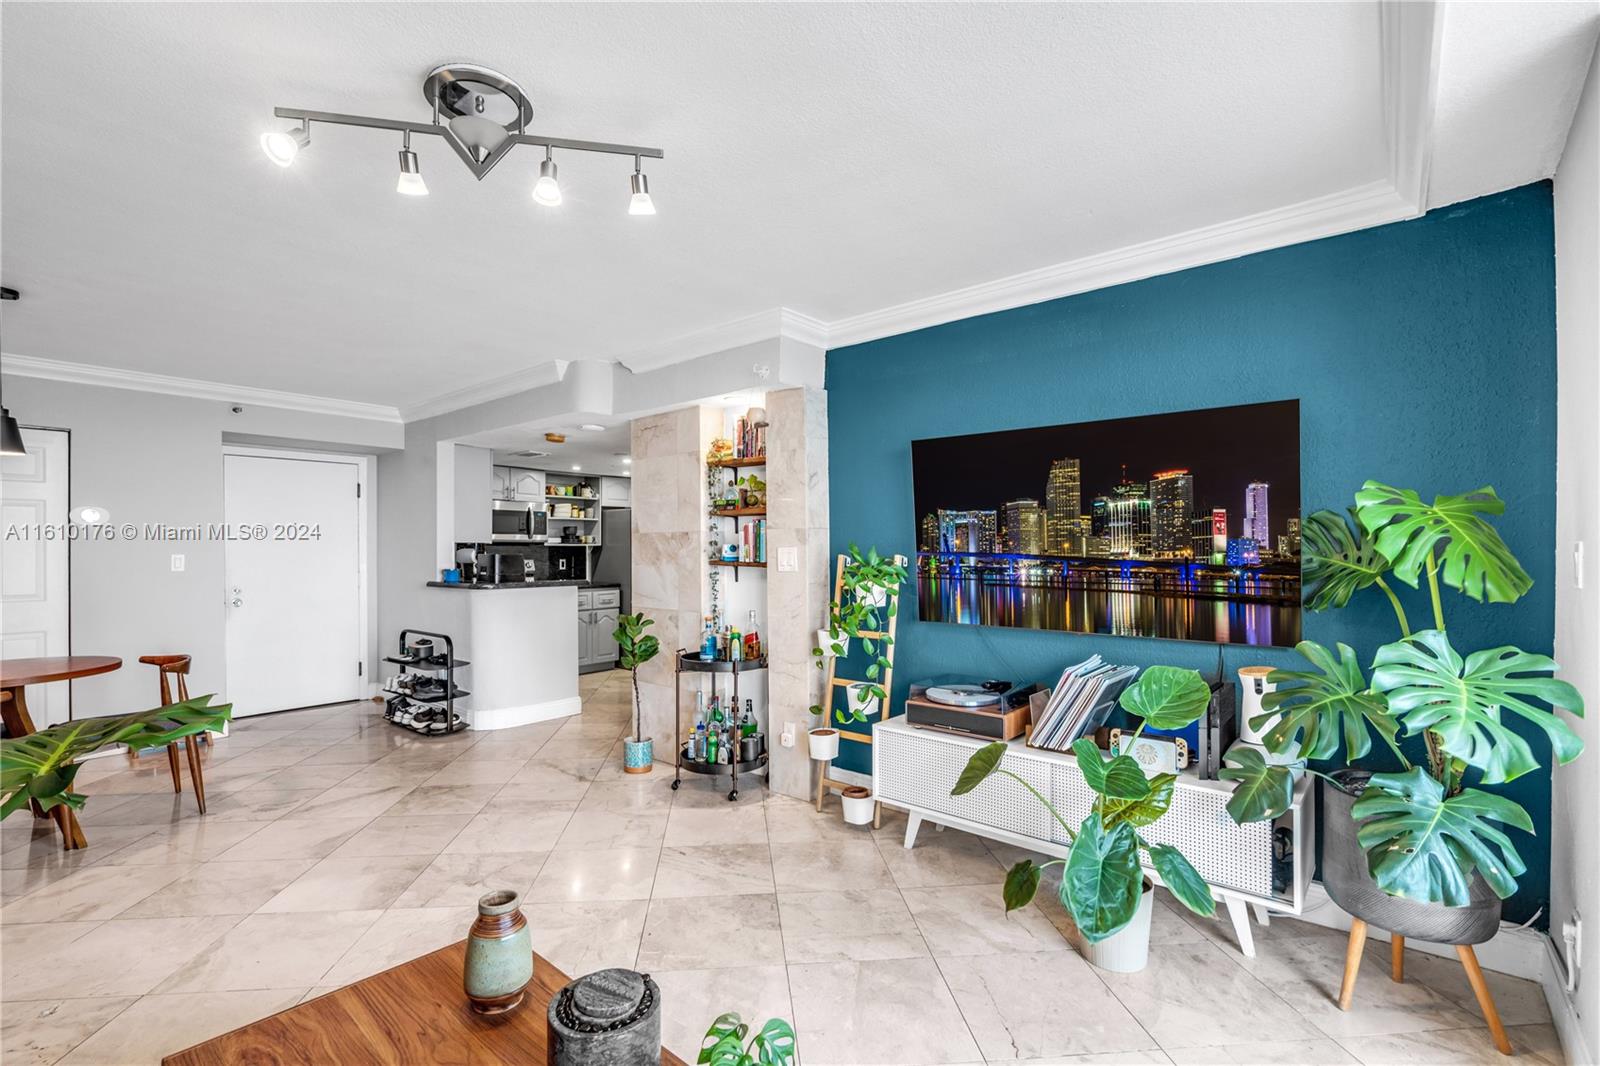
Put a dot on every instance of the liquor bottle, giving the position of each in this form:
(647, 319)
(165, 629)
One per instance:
(747, 724)
(711, 745)
(708, 641)
(752, 639)
(735, 645)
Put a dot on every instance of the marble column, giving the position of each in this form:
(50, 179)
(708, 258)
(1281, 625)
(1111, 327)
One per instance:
(797, 597)
(669, 550)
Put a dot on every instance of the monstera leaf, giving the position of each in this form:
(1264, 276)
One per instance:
(1167, 697)
(40, 766)
(1425, 846)
(1265, 791)
(1101, 883)
(1337, 559)
(1430, 687)
(1475, 559)
(1316, 705)
(724, 1043)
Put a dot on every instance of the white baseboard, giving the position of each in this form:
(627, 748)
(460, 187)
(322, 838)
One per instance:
(509, 717)
(1563, 1012)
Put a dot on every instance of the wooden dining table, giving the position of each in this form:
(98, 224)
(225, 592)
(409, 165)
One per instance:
(15, 676)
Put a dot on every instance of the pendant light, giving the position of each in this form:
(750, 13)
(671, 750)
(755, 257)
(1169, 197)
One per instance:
(410, 182)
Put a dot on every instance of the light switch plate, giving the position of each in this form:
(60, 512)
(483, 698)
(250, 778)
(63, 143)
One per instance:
(788, 560)
(177, 564)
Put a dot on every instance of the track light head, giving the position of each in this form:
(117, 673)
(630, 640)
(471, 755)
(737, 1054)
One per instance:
(410, 182)
(282, 146)
(546, 190)
(640, 203)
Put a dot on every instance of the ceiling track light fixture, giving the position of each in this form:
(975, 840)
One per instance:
(482, 115)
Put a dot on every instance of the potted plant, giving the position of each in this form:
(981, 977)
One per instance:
(1414, 849)
(635, 648)
(821, 739)
(858, 804)
(725, 1043)
(39, 767)
(869, 598)
(1103, 886)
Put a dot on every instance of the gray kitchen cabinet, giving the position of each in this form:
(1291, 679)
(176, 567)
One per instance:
(597, 620)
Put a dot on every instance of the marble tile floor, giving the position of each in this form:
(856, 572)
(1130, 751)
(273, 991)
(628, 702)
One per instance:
(338, 846)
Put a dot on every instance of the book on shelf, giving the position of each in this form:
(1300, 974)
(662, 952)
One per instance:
(753, 541)
(1080, 702)
(749, 440)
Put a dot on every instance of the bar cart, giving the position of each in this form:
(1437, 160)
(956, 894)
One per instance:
(689, 662)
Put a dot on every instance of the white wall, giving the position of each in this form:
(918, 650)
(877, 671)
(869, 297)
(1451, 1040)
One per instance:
(151, 458)
(1574, 828)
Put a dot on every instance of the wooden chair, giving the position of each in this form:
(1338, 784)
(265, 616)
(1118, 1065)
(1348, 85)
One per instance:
(1397, 973)
(177, 666)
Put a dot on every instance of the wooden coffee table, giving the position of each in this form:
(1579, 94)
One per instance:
(416, 1013)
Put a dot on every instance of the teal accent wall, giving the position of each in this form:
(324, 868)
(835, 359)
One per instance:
(1423, 354)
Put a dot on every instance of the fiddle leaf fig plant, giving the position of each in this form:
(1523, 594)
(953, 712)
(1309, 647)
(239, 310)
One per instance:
(40, 767)
(1426, 834)
(635, 647)
(869, 597)
(1102, 877)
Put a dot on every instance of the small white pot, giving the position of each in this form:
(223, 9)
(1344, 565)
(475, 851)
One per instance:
(858, 805)
(869, 708)
(1128, 949)
(873, 596)
(824, 744)
(826, 643)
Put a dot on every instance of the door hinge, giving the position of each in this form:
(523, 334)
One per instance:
(361, 669)
(358, 490)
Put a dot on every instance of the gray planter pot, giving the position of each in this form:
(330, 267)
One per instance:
(1344, 874)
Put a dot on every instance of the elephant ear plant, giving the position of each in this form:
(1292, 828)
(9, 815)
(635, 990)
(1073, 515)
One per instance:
(40, 767)
(1102, 879)
(1424, 831)
(870, 597)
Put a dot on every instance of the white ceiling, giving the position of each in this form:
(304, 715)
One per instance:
(601, 452)
(835, 160)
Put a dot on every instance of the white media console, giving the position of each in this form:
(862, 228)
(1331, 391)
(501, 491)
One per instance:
(914, 769)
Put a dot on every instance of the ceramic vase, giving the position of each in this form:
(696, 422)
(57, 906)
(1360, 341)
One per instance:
(499, 954)
(638, 755)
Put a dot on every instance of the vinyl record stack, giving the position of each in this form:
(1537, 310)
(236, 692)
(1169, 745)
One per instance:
(1080, 703)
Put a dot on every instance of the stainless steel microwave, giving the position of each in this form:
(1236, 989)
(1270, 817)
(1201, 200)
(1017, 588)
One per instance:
(518, 522)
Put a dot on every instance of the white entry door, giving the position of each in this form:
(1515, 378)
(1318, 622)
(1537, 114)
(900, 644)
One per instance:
(293, 589)
(33, 567)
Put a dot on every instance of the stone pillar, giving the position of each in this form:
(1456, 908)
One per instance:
(797, 599)
(669, 550)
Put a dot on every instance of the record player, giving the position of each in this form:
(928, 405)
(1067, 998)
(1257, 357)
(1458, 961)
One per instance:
(994, 710)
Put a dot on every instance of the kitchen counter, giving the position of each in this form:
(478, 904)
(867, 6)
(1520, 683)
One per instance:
(548, 584)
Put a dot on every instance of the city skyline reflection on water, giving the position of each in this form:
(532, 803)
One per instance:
(1129, 612)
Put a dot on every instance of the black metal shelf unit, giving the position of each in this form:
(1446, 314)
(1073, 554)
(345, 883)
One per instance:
(688, 662)
(430, 707)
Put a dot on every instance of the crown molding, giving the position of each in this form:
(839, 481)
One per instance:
(28, 366)
(493, 389)
(1410, 36)
(777, 322)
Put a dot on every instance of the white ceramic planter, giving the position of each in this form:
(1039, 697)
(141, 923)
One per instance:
(857, 805)
(873, 596)
(824, 744)
(826, 643)
(1128, 950)
(852, 693)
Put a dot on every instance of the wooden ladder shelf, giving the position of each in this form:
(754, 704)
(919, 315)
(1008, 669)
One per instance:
(835, 682)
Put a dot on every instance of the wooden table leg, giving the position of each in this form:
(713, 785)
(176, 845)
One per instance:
(1397, 958)
(1352, 961)
(1480, 988)
(14, 712)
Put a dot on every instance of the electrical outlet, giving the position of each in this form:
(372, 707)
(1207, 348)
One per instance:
(788, 560)
(177, 564)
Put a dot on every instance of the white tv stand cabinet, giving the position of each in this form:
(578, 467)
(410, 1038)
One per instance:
(914, 769)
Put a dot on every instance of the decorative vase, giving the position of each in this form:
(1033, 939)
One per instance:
(1128, 949)
(1350, 884)
(824, 744)
(638, 755)
(607, 1018)
(499, 954)
(858, 805)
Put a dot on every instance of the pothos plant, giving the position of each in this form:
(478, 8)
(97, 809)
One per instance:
(725, 1043)
(869, 597)
(1103, 879)
(1425, 831)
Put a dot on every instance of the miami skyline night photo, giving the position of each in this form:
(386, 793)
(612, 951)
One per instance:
(1182, 525)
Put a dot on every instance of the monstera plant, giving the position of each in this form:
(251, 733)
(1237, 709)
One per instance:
(1102, 880)
(1427, 830)
(39, 767)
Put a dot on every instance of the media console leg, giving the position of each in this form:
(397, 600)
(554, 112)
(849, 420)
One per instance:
(1239, 913)
(913, 823)
(1263, 916)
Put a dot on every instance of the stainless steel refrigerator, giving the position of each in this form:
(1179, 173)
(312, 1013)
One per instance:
(614, 561)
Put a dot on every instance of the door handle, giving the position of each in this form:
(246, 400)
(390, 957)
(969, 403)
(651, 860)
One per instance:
(237, 601)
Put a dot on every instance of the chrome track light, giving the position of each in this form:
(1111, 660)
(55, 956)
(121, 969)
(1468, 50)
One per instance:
(410, 182)
(282, 146)
(640, 203)
(546, 190)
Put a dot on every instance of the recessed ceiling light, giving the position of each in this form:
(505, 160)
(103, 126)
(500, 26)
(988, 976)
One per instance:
(627, 460)
(592, 427)
(575, 466)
